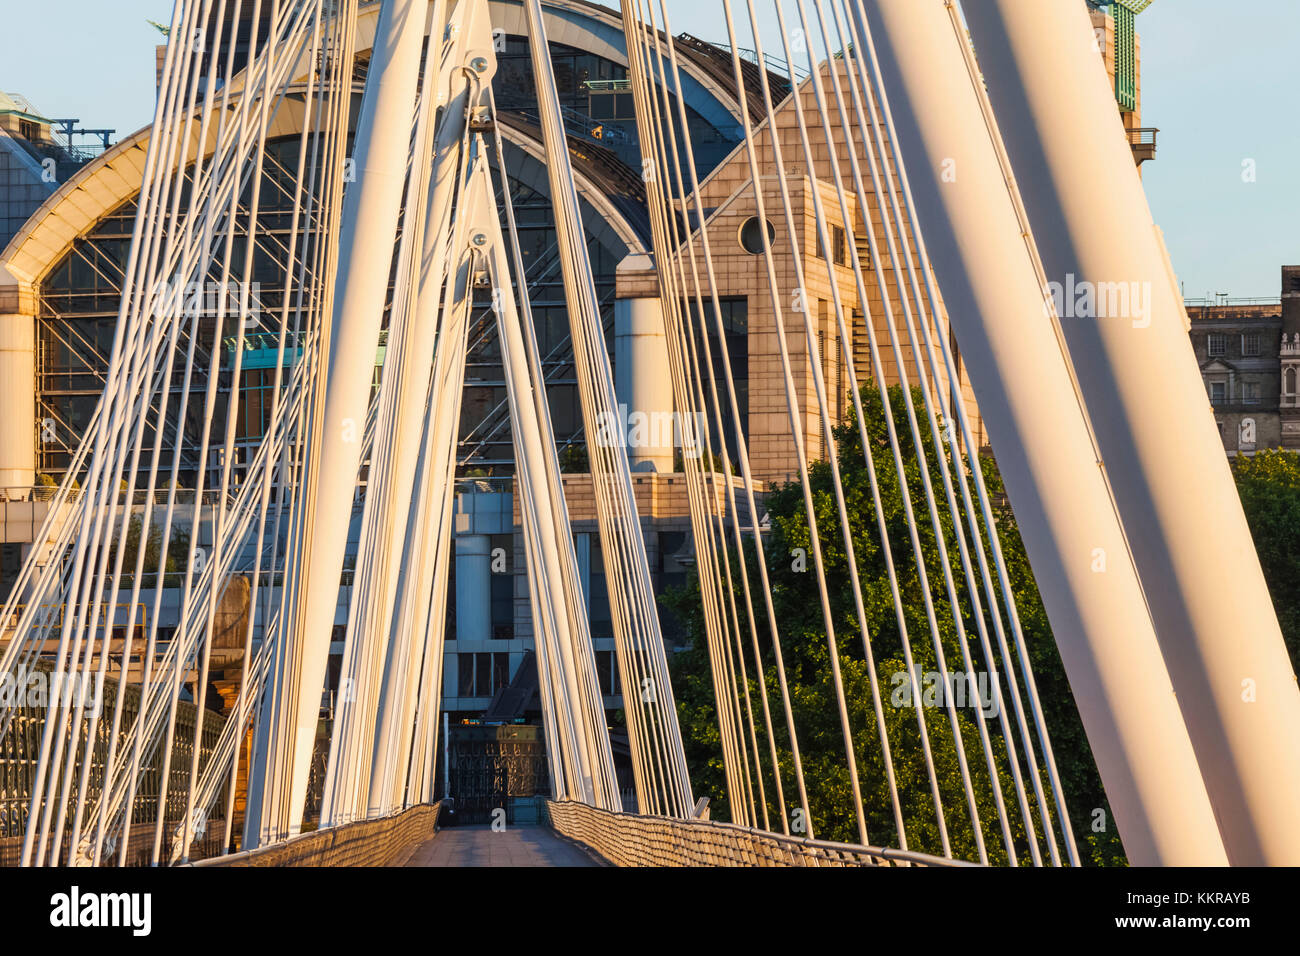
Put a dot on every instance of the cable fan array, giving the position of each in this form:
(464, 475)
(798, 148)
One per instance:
(827, 156)
(170, 409)
(398, 259)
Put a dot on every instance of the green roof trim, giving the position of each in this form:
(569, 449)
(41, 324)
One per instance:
(1125, 57)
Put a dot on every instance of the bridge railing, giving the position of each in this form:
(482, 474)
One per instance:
(381, 842)
(627, 839)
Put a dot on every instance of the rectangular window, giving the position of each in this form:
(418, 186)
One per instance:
(1250, 393)
(839, 246)
(1217, 344)
(465, 675)
(482, 675)
(503, 607)
(1218, 393)
(607, 673)
(1250, 344)
(734, 319)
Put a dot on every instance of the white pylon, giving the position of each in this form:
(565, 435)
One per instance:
(1194, 552)
(1040, 435)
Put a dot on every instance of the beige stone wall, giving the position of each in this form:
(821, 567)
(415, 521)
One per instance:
(729, 201)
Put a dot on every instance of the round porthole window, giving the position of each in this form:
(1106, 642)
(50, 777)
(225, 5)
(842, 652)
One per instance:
(751, 240)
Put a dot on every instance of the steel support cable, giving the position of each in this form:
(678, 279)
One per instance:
(940, 454)
(734, 408)
(792, 406)
(210, 397)
(824, 240)
(243, 700)
(690, 467)
(261, 69)
(232, 408)
(208, 787)
(612, 795)
(150, 715)
(870, 233)
(708, 571)
(936, 522)
(166, 101)
(995, 545)
(636, 617)
(182, 648)
(749, 490)
(945, 475)
(707, 546)
(692, 343)
(710, 363)
(294, 463)
(911, 521)
(191, 221)
(298, 193)
(71, 749)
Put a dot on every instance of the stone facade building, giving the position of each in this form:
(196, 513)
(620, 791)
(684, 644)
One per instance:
(1249, 356)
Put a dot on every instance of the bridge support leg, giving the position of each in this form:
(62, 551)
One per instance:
(1136, 370)
(1040, 433)
(370, 215)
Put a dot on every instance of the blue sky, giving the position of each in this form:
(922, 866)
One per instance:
(1219, 81)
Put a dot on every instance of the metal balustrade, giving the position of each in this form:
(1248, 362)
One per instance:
(627, 839)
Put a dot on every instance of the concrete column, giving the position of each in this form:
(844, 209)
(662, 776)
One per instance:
(1039, 432)
(473, 588)
(1144, 394)
(17, 385)
(642, 382)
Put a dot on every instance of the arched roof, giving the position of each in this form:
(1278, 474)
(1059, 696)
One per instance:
(114, 177)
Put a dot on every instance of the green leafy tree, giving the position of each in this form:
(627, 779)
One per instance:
(178, 551)
(1269, 485)
(814, 701)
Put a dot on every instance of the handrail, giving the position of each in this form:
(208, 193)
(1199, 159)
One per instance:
(629, 839)
(380, 842)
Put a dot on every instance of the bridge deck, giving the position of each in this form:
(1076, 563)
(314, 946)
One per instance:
(514, 846)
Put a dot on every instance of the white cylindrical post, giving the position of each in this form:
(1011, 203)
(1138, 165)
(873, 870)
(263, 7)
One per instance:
(642, 380)
(473, 588)
(1040, 435)
(1126, 335)
(371, 208)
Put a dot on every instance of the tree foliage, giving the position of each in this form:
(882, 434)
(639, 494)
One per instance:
(1269, 485)
(807, 653)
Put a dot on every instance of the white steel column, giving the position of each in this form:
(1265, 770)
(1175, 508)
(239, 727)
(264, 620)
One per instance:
(371, 208)
(1147, 402)
(462, 47)
(1040, 434)
(550, 562)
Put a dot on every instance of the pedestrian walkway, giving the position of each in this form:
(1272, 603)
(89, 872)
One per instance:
(513, 846)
